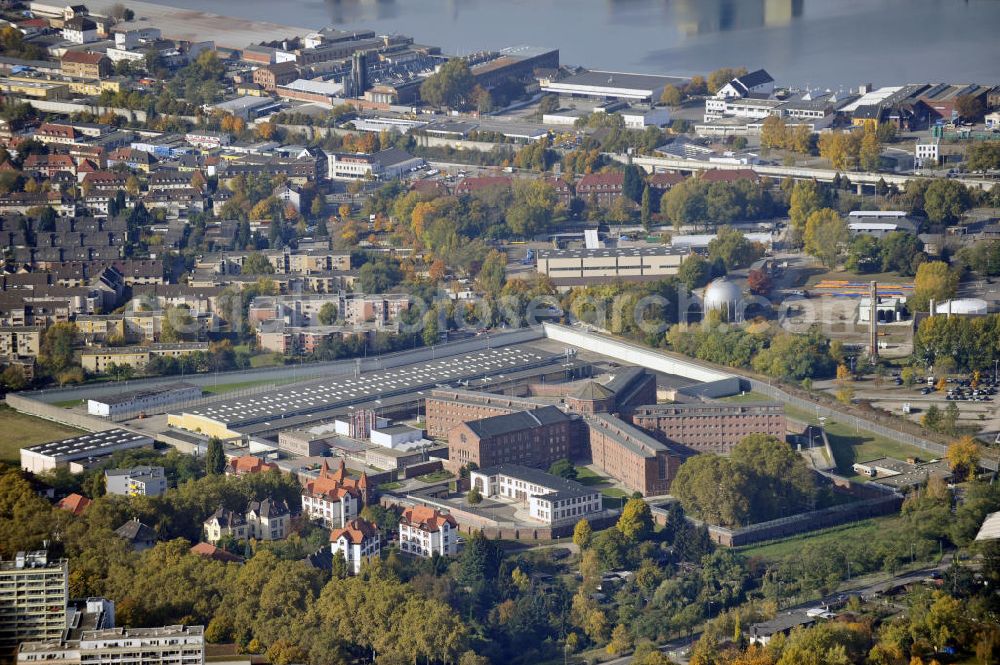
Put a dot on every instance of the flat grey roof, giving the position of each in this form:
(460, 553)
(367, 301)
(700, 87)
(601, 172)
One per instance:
(621, 80)
(329, 393)
(580, 253)
(95, 443)
(133, 395)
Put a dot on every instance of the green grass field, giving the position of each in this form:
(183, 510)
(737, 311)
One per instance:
(22, 430)
(69, 403)
(436, 477)
(789, 547)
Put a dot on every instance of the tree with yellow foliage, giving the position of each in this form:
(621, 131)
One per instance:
(825, 233)
(963, 456)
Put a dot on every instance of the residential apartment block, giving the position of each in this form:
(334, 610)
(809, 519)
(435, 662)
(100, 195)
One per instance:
(33, 595)
(425, 531)
(137, 481)
(168, 645)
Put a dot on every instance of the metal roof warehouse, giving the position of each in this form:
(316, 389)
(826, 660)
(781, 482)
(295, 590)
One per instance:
(291, 405)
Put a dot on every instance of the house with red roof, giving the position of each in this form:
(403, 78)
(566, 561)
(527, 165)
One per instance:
(478, 183)
(659, 183)
(75, 503)
(730, 175)
(239, 466)
(602, 188)
(333, 497)
(356, 541)
(209, 551)
(424, 531)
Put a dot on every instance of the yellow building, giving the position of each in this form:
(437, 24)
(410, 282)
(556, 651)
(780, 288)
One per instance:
(201, 424)
(34, 88)
(98, 360)
(100, 326)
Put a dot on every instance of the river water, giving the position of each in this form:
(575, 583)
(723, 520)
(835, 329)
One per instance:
(806, 43)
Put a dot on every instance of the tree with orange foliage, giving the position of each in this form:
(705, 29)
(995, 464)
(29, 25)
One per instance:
(437, 270)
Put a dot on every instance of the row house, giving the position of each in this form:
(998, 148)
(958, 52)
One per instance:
(109, 181)
(333, 497)
(426, 531)
(177, 202)
(22, 202)
(137, 160)
(169, 179)
(48, 165)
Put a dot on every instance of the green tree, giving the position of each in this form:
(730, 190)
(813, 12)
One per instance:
(327, 314)
(694, 272)
(215, 457)
(931, 418)
(864, 254)
(531, 211)
(378, 276)
(645, 211)
(257, 264)
(636, 521)
(633, 183)
(493, 274)
(945, 201)
(474, 496)
(56, 349)
(733, 249)
(431, 332)
(564, 469)
(450, 86)
(901, 252)
(825, 233)
(13, 378)
(984, 156)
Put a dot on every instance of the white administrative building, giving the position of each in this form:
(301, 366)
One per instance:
(550, 499)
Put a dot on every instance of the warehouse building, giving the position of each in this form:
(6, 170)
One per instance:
(613, 85)
(577, 267)
(139, 400)
(287, 408)
(74, 452)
